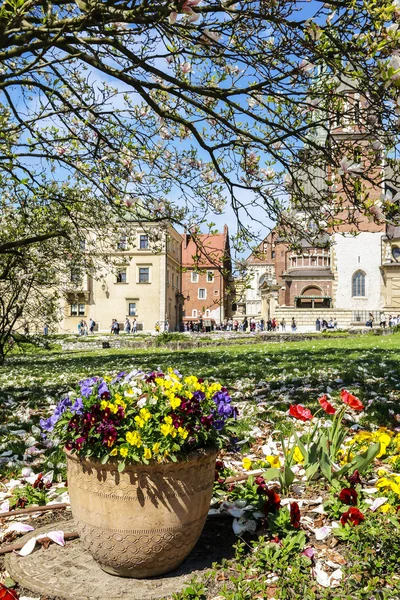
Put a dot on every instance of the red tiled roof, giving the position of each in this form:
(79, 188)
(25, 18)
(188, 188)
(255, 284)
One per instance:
(211, 249)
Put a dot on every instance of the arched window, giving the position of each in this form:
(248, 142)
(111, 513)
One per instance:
(358, 283)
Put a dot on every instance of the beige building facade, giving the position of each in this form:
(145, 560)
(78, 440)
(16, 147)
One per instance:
(142, 282)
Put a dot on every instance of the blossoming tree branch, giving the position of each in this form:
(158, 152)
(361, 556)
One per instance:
(174, 110)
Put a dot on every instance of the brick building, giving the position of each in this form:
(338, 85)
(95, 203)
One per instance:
(356, 267)
(206, 277)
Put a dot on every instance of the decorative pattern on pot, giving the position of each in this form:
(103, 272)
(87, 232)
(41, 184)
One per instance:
(145, 520)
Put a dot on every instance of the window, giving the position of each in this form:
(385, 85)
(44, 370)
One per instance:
(359, 283)
(123, 243)
(76, 276)
(208, 312)
(121, 276)
(82, 245)
(194, 313)
(177, 282)
(216, 292)
(195, 277)
(202, 294)
(77, 310)
(132, 310)
(144, 274)
(210, 276)
(144, 242)
(167, 277)
(273, 254)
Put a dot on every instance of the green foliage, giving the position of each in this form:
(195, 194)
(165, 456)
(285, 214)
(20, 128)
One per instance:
(194, 591)
(166, 337)
(30, 494)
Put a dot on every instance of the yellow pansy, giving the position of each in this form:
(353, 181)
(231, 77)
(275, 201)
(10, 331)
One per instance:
(133, 438)
(191, 380)
(123, 452)
(108, 378)
(156, 448)
(246, 462)
(114, 452)
(175, 402)
(167, 429)
(388, 484)
(297, 455)
(385, 508)
(143, 416)
(147, 453)
(183, 432)
(168, 420)
(384, 440)
(274, 461)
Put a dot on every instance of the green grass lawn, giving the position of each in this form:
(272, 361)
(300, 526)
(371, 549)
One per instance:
(294, 371)
(263, 379)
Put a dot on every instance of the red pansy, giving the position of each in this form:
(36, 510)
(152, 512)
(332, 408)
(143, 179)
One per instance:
(354, 479)
(351, 400)
(348, 496)
(294, 515)
(299, 412)
(326, 405)
(353, 516)
(272, 501)
(7, 594)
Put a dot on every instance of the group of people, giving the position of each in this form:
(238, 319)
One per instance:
(322, 324)
(84, 328)
(384, 321)
(130, 327)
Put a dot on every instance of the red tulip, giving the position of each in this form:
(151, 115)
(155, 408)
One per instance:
(348, 496)
(294, 515)
(351, 400)
(353, 516)
(7, 594)
(299, 412)
(326, 405)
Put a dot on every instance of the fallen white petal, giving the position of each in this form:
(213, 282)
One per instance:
(5, 506)
(57, 537)
(322, 532)
(377, 503)
(19, 527)
(28, 548)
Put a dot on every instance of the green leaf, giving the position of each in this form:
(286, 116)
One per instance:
(272, 473)
(105, 459)
(121, 467)
(361, 461)
(326, 466)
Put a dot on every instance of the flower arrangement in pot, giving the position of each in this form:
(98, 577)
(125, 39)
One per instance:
(141, 451)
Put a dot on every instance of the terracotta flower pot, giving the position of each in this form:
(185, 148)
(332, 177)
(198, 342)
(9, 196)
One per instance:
(144, 521)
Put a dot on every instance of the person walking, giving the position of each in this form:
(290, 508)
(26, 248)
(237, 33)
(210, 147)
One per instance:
(283, 324)
(92, 325)
(382, 320)
(245, 324)
(127, 325)
(318, 324)
(46, 329)
(294, 324)
(134, 326)
(370, 322)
